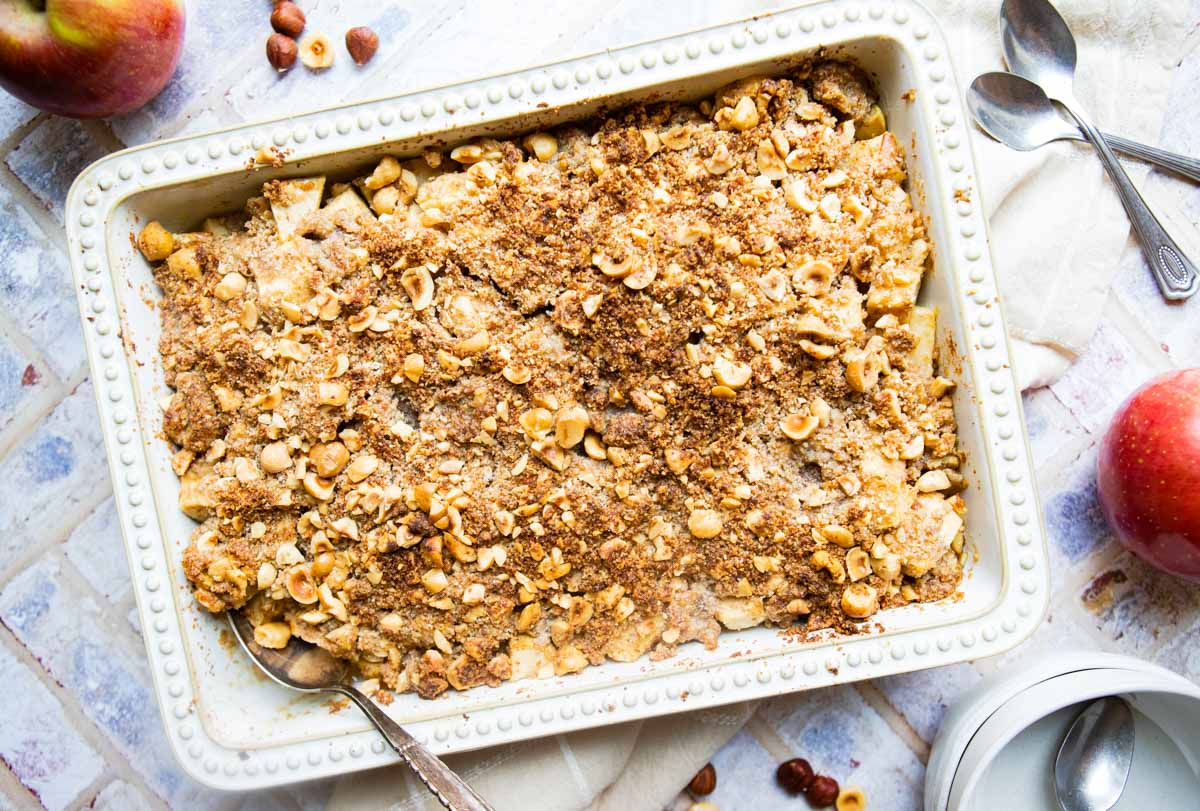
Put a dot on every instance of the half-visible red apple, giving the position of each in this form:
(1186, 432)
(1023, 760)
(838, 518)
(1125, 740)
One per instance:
(89, 58)
(1149, 473)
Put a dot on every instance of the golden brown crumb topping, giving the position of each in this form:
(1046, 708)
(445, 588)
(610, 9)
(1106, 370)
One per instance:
(535, 403)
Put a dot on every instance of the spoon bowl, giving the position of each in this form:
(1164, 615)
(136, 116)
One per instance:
(309, 669)
(1016, 112)
(299, 665)
(1039, 45)
(1019, 114)
(1093, 762)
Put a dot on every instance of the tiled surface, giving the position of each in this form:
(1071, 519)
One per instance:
(79, 727)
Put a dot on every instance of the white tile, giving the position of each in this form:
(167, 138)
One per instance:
(121, 796)
(65, 631)
(924, 696)
(48, 159)
(97, 551)
(35, 289)
(37, 740)
(44, 480)
(842, 736)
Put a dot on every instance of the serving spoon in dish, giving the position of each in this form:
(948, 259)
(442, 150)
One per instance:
(309, 669)
(1019, 114)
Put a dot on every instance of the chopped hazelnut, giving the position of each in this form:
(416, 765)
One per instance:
(705, 523)
(156, 242)
(414, 367)
(331, 393)
(543, 145)
(329, 458)
(275, 458)
(434, 580)
(851, 799)
(730, 373)
(386, 172)
(299, 584)
(570, 426)
(274, 635)
(799, 427)
(316, 52)
(859, 601)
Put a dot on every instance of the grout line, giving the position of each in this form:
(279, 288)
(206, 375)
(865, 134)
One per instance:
(60, 534)
(78, 377)
(54, 232)
(12, 789)
(18, 134)
(74, 716)
(110, 613)
(25, 421)
(1117, 314)
(87, 796)
(877, 701)
(102, 132)
(15, 336)
(768, 738)
(87, 799)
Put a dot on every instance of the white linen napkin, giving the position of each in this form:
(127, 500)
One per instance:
(1058, 231)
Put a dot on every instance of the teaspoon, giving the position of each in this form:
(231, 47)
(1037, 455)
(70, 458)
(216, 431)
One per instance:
(1093, 762)
(1039, 46)
(309, 669)
(1017, 113)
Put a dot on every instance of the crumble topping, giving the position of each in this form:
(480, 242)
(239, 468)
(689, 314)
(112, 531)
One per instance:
(512, 410)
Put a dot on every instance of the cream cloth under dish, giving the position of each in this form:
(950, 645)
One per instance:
(1058, 231)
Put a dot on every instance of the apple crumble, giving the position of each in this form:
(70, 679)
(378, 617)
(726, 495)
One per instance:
(521, 406)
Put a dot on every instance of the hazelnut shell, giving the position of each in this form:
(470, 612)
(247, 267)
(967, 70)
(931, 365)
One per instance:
(281, 52)
(362, 43)
(288, 19)
(794, 775)
(822, 791)
(705, 781)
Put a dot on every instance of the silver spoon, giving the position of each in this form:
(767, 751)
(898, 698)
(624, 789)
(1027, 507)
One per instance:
(1038, 45)
(1094, 759)
(1017, 113)
(310, 669)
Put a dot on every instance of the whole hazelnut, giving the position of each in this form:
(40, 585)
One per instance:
(281, 52)
(287, 18)
(705, 781)
(793, 776)
(362, 43)
(822, 791)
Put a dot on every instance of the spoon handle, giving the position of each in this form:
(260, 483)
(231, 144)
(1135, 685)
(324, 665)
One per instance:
(1176, 276)
(450, 789)
(1188, 167)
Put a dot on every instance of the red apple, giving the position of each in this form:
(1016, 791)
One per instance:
(1149, 473)
(88, 58)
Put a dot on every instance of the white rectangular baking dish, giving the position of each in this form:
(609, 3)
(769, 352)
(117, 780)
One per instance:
(233, 730)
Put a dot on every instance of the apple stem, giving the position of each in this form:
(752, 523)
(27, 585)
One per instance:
(38, 5)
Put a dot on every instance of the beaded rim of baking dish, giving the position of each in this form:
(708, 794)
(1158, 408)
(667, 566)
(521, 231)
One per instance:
(104, 185)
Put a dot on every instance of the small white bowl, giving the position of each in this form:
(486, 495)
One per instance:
(996, 747)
